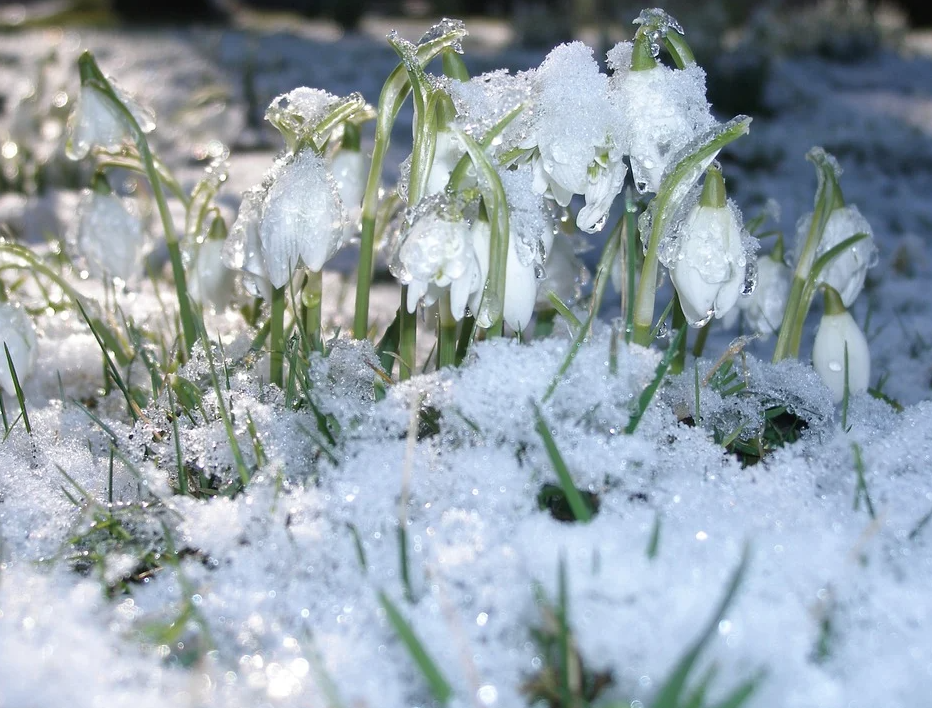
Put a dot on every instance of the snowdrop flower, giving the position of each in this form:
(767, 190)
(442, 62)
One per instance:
(662, 111)
(520, 285)
(302, 218)
(19, 335)
(437, 253)
(97, 122)
(837, 332)
(847, 272)
(763, 308)
(447, 154)
(242, 250)
(348, 168)
(573, 131)
(709, 267)
(107, 235)
(564, 274)
(210, 283)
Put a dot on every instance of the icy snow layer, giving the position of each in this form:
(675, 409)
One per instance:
(273, 574)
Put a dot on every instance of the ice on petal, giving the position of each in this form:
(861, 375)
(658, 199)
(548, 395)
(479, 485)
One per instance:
(109, 238)
(302, 218)
(531, 224)
(662, 111)
(97, 122)
(18, 334)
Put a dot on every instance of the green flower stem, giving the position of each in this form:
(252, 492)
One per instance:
(630, 261)
(394, 92)
(833, 302)
(129, 163)
(679, 325)
(828, 198)
(277, 338)
(407, 344)
(91, 75)
(699, 344)
(672, 191)
(447, 333)
(641, 57)
(311, 301)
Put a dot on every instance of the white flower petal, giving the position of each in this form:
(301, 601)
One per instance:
(828, 355)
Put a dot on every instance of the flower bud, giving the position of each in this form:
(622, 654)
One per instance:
(97, 122)
(708, 270)
(19, 335)
(763, 308)
(838, 333)
(847, 272)
(210, 283)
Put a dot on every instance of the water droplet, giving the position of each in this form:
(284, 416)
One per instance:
(750, 277)
(834, 366)
(539, 271)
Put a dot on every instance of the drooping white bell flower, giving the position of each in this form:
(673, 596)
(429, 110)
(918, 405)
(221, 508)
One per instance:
(434, 254)
(447, 153)
(348, 168)
(96, 122)
(19, 335)
(210, 282)
(710, 261)
(565, 274)
(302, 218)
(837, 333)
(662, 111)
(763, 309)
(847, 272)
(109, 238)
(573, 130)
(521, 285)
(242, 250)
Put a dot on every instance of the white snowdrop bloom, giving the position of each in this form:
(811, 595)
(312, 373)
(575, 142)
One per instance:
(521, 285)
(763, 309)
(447, 154)
(348, 168)
(110, 238)
(19, 335)
(709, 266)
(242, 250)
(573, 129)
(564, 273)
(662, 111)
(302, 218)
(437, 253)
(847, 272)
(96, 122)
(838, 331)
(210, 282)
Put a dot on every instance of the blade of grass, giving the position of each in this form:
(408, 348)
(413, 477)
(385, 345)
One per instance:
(647, 394)
(578, 505)
(438, 685)
(20, 398)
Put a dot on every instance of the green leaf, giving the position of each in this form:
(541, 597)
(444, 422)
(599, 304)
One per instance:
(580, 508)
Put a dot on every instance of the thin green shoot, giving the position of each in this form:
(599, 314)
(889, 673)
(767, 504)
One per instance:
(20, 398)
(578, 505)
(257, 446)
(241, 468)
(861, 491)
(439, 686)
(6, 423)
(923, 522)
(111, 367)
(673, 689)
(360, 549)
(660, 373)
(846, 395)
(653, 544)
(697, 415)
(563, 310)
(176, 438)
(100, 423)
(660, 325)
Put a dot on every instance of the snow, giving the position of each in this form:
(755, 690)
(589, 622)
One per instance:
(271, 603)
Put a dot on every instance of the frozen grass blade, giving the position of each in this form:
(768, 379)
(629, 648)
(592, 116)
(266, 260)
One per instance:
(674, 687)
(111, 367)
(176, 438)
(647, 394)
(20, 398)
(653, 545)
(861, 489)
(580, 508)
(438, 685)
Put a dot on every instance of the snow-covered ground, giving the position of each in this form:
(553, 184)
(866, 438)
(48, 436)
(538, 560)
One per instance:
(272, 597)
